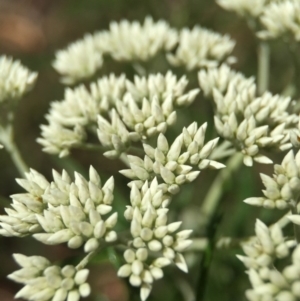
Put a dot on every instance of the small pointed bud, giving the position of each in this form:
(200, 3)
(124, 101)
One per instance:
(124, 271)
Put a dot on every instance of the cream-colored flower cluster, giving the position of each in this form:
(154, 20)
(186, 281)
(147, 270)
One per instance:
(283, 189)
(244, 8)
(125, 110)
(69, 119)
(281, 19)
(133, 41)
(15, 79)
(220, 78)
(263, 249)
(275, 284)
(249, 122)
(201, 47)
(44, 281)
(80, 60)
(62, 211)
(174, 163)
(156, 243)
(129, 41)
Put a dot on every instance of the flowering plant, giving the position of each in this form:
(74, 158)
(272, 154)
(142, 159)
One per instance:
(129, 119)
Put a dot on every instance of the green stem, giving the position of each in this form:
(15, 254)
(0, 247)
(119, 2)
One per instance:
(7, 138)
(104, 245)
(215, 191)
(141, 71)
(263, 67)
(296, 227)
(293, 50)
(82, 264)
(124, 159)
(90, 146)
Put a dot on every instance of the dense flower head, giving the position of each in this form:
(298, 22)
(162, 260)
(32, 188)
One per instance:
(283, 188)
(281, 19)
(174, 163)
(123, 41)
(268, 245)
(250, 123)
(134, 41)
(155, 242)
(80, 60)
(221, 78)
(244, 8)
(62, 211)
(120, 111)
(15, 79)
(276, 284)
(200, 47)
(44, 281)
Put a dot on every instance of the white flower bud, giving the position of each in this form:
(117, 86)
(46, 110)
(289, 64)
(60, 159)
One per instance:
(142, 254)
(182, 245)
(81, 276)
(112, 220)
(145, 291)
(124, 271)
(156, 272)
(111, 236)
(137, 267)
(104, 209)
(73, 296)
(86, 229)
(135, 280)
(180, 262)
(154, 245)
(91, 245)
(100, 229)
(129, 255)
(138, 243)
(147, 277)
(146, 234)
(84, 290)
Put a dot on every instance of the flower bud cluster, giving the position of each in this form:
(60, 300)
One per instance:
(59, 139)
(201, 47)
(123, 41)
(44, 281)
(156, 243)
(62, 211)
(133, 41)
(114, 136)
(283, 188)
(281, 18)
(220, 78)
(249, 138)
(174, 164)
(151, 119)
(21, 219)
(137, 110)
(15, 79)
(69, 119)
(244, 8)
(248, 122)
(162, 87)
(262, 250)
(274, 284)
(78, 61)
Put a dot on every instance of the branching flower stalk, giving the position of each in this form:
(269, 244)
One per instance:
(130, 117)
(7, 139)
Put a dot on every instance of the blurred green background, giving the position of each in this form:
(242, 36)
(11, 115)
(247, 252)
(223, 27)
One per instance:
(32, 30)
